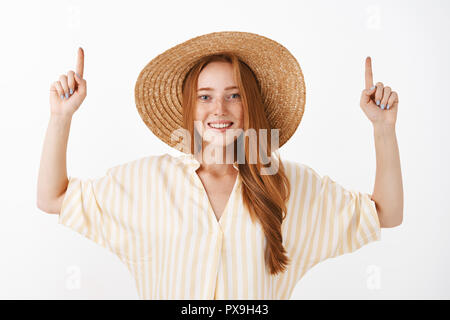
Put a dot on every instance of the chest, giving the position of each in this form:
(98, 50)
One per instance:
(218, 191)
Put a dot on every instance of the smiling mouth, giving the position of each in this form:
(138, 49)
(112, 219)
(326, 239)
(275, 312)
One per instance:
(220, 126)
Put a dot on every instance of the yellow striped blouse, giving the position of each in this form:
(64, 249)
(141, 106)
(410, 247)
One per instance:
(155, 215)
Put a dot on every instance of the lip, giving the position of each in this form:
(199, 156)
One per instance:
(220, 129)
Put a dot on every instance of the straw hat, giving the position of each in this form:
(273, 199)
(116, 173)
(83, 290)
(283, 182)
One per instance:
(158, 89)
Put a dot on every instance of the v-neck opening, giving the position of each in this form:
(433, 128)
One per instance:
(211, 212)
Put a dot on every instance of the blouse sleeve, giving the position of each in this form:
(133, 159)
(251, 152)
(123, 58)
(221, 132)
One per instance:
(344, 220)
(87, 210)
(352, 216)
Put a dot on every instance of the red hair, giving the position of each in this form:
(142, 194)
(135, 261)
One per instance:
(264, 196)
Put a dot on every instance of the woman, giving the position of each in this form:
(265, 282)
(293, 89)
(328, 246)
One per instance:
(227, 219)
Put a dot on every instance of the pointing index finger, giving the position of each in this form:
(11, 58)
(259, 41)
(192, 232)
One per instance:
(80, 62)
(369, 76)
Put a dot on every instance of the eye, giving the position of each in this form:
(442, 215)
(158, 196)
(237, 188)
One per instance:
(235, 94)
(200, 97)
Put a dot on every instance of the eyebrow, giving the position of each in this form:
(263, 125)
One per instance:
(211, 89)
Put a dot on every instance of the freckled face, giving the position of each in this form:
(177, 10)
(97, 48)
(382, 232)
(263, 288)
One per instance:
(218, 100)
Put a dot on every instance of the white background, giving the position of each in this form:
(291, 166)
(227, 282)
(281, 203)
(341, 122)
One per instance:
(409, 45)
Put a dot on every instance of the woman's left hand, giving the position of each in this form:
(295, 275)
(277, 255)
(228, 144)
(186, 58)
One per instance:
(379, 102)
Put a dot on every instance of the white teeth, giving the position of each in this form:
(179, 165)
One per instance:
(218, 126)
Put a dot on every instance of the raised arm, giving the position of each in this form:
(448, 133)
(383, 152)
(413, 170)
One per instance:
(66, 96)
(380, 104)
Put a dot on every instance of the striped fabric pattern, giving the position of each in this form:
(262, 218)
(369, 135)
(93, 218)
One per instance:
(155, 215)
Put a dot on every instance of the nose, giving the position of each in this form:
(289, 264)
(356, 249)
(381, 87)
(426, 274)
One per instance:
(219, 107)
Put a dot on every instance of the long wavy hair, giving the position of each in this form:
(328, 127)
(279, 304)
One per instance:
(264, 195)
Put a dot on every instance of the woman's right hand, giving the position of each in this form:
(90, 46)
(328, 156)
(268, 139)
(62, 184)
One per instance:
(67, 94)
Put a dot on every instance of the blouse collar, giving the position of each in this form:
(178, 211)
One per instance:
(194, 164)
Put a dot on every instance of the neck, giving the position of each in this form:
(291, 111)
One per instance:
(217, 165)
